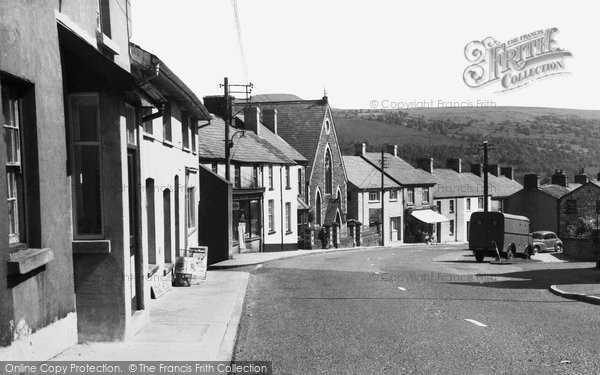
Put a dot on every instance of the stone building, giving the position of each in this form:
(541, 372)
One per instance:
(581, 203)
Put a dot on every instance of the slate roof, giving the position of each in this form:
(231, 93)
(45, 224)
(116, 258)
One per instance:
(501, 186)
(454, 185)
(299, 123)
(401, 171)
(558, 191)
(248, 148)
(364, 175)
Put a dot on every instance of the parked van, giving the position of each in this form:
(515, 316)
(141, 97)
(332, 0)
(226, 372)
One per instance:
(499, 234)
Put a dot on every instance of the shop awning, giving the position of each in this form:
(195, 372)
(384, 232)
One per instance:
(429, 216)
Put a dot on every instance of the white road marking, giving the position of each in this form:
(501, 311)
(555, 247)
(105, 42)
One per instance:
(476, 322)
(402, 289)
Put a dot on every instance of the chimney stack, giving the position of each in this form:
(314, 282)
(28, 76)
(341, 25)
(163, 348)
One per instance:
(454, 164)
(216, 105)
(477, 169)
(581, 178)
(494, 169)
(532, 181)
(269, 117)
(360, 149)
(508, 172)
(252, 119)
(425, 164)
(393, 149)
(559, 178)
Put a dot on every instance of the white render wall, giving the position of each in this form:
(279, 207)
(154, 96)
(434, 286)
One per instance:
(391, 209)
(162, 162)
(461, 217)
(279, 194)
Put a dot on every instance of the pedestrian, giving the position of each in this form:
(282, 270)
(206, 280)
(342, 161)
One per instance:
(323, 237)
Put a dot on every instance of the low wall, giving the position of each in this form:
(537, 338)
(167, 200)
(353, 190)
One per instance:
(581, 249)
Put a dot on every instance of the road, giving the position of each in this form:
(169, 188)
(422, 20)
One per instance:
(417, 309)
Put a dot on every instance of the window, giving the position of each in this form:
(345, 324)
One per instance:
(255, 176)
(328, 173)
(425, 195)
(480, 203)
(215, 168)
(318, 208)
(439, 206)
(193, 131)
(393, 195)
(451, 209)
(410, 195)
(271, 177)
(131, 126)
(237, 177)
(288, 217)
(287, 177)
(148, 125)
(87, 203)
(468, 204)
(374, 216)
(167, 133)
(185, 130)
(373, 196)
(271, 216)
(300, 182)
(571, 206)
(11, 109)
(451, 230)
(190, 199)
(327, 126)
(103, 17)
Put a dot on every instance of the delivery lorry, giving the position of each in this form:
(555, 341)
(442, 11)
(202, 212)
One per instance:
(496, 234)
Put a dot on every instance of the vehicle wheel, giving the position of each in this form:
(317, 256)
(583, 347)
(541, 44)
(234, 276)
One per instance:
(479, 257)
(509, 253)
(527, 253)
(558, 248)
(536, 249)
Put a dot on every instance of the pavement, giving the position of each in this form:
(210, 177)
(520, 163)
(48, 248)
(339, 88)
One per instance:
(252, 259)
(198, 322)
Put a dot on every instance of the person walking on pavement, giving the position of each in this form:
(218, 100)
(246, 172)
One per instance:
(323, 237)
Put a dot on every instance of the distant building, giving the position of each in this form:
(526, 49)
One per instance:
(419, 217)
(365, 198)
(457, 195)
(583, 202)
(266, 176)
(308, 126)
(501, 184)
(540, 203)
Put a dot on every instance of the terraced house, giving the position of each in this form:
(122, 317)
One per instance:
(308, 126)
(267, 178)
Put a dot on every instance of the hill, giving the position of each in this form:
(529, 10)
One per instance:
(531, 139)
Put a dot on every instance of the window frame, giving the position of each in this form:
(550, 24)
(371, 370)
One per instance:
(237, 176)
(451, 228)
(271, 216)
(190, 202)
(270, 177)
(76, 234)
(425, 195)
(468, 202)
(393, 195)
(287, 177)
(410, 195)
(328, 169)
(377, 196)
(185, 130)
(288, 217)
(451, 206)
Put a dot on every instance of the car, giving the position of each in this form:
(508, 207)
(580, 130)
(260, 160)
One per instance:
(544, 240)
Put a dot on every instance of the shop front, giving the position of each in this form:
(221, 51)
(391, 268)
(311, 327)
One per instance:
(247, 222)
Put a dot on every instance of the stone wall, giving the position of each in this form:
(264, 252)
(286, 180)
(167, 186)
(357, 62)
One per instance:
(586, 197)
(581, 249)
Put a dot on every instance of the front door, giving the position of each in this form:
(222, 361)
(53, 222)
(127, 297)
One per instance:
(395, 229)
(135, 270)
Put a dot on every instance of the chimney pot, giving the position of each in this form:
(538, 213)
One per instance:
(252, 119)
(454, 164)
(425, 164)
(360, 149)
(559, 178)
(531, 181)
(477, 169)
(508, 172)
(393, 149)
(269, 117)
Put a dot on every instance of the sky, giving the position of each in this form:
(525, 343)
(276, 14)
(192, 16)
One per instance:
(367, 54)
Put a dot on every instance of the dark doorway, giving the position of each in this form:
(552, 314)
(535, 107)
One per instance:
(150, 217)
(136, 273)
(167, 224)
(177, 231)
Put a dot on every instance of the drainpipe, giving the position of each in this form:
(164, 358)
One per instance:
(281, 200)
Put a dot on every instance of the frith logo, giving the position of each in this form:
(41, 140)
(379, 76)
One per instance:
(515, 63)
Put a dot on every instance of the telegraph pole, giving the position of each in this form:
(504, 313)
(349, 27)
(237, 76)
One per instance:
(382, 199)
(227, 124)
(486, 192)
